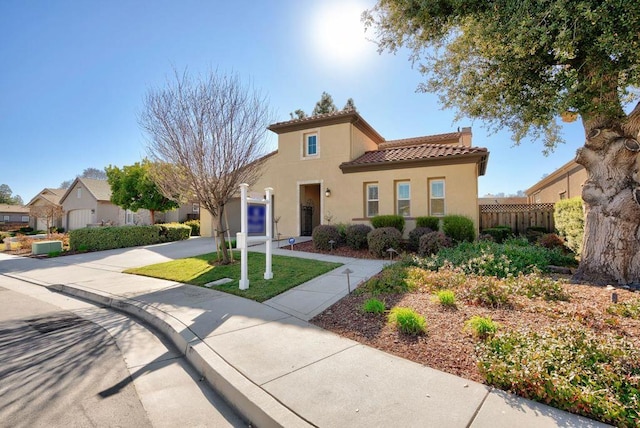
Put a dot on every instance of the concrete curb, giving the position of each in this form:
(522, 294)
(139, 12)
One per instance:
(252, 402)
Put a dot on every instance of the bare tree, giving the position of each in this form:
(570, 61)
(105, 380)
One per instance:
(206, 137)
(48, 212)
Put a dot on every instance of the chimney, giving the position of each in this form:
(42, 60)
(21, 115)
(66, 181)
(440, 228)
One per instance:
(465, 136)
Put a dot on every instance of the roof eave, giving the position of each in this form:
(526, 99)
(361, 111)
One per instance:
(478, 158)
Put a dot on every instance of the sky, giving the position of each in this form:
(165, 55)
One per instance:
(73, 75)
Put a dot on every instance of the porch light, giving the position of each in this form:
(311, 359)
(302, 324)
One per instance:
(327, 192)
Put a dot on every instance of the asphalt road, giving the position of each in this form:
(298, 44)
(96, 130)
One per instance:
(67, 363)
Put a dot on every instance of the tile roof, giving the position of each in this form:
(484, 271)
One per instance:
(317, 117)
(414, 153)
(437, 138)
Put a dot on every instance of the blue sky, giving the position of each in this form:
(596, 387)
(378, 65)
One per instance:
(74, 74)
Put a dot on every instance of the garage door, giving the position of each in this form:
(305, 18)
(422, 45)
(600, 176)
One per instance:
(41, 224)
(79, 219)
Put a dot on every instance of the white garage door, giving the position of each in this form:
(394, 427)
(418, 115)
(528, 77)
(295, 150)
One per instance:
(41, 224)
(79, 219)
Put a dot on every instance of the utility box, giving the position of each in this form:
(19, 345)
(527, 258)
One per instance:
(46, 247)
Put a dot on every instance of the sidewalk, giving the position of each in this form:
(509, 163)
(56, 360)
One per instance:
(273, 366)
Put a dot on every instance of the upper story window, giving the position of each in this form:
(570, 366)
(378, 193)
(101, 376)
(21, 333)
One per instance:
(372, 200)
(403, 198)
(310, 145)
(436, 197)
(79, 193)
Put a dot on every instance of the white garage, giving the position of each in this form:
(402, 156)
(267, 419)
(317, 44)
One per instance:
(78, 219)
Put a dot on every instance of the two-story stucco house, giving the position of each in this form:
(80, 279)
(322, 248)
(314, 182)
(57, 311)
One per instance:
(335, 168)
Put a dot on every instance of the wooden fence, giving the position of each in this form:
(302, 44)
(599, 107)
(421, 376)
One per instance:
(517, 216)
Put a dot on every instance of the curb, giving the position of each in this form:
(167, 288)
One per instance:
(248, 399)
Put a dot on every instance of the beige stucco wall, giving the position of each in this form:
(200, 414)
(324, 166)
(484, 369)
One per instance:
(570, 182)
(288, 170)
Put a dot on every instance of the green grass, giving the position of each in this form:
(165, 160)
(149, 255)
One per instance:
(288, 272)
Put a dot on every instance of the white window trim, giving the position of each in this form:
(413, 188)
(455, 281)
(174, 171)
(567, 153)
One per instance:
(195, 208)
(368, 214)
(398, 184)
(303, 145)
(25, 217)
(444, 197)
(6, 218)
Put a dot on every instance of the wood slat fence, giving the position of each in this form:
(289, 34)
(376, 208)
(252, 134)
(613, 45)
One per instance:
(517, 216)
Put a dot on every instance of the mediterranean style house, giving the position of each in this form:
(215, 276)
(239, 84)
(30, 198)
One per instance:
(335, 168)
(565, 182)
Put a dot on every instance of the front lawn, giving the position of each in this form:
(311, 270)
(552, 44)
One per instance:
(288, 272)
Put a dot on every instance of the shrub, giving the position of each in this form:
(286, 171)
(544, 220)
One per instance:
(533, 233)
(194, 225)
(569, 218)
(227, 242)
(432, 223)
(595, 375)
(323, 234)
(381, 239)
(534, 285)
(342, 231)
(498, 233)
(407, 321)
(433, 242)
(373, 306)
(25, 229)
(392, 279)
(356, 236)
(489, 292)
(459, 228)
(170, 232)
(550, 240)
(381, 221)
(415, 235)
(106, 238)
(481, 327)
(446, 298)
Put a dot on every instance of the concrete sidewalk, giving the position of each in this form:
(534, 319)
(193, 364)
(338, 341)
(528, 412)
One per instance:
(273, 366)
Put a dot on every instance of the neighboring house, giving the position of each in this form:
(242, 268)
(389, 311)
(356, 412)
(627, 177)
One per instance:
(564, 183)
(187, 211)
(495, 200)
(47, 196)
(335, 168)
(14, 215)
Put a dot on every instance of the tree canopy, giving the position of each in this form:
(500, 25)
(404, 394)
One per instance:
(323, 106)
(519, 64)
(95, 173)
(132, 188)
(7, 196)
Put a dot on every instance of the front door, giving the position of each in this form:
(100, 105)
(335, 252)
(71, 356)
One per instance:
(309, 208)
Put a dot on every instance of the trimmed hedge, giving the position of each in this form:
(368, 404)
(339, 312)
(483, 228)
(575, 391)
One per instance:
(569, 218)
(381, 239)
(414, 237)
(380, 221)
(433, 242)
(195, 227)
(432, 223)
(356, 236)
(324, 233)
(110, 237)
(459, 228)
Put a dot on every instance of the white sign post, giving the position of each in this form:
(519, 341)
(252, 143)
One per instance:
(242, 238)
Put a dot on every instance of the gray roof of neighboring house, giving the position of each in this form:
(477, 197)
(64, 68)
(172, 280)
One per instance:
(50, 195)
(99, 189)
(19, 209)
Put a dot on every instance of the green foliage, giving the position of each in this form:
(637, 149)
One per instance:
(446, 298)
(194, 225)
(534, 285)
(229, 244)
(432, 223)
(324, 233)
(595, 375)
(356, 236)
(380, 221)
(415, 235)
(629, 309)
(569, 219)
(551, 240)
(407, 321)
(498, 233)
(433, 242)
(459, 228)
(6, 196)
(392, 279)
(481, 327)
(373, 306)
(490, 292)
(106, 238)
(381, 239)
(342, 231)
(132, 188)
(324, 105)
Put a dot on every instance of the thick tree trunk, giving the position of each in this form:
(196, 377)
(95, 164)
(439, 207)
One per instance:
(611, 194)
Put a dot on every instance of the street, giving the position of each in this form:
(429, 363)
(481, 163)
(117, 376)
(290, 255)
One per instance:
(64, 362)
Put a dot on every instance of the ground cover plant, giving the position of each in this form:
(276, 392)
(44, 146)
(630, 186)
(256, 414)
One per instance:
(288, 272)
(514, 326)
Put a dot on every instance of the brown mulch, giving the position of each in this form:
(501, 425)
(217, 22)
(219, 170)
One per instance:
(342, 250)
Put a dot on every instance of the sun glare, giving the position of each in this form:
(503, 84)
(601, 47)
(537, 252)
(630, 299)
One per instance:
(338, 33)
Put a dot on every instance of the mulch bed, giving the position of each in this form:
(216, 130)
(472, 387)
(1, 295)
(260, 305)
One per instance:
(342, 250)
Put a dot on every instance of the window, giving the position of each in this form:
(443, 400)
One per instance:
(196, 208)
(79, 192)
(436, 197)
(5, 218)
(310, 145)
(25, 218)
(372, 200)
(563, 195)
(128, 217)
(403, 199)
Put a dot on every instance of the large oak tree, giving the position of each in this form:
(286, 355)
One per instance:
(522, 64)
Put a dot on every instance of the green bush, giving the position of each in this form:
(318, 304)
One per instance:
(106, 238)
(490, 292)
(25, 229)
(498, 233)
(342, 231)
(356, 236)
(533, 233)
(381, 239)
(591, 374)
(433, 242)
(415, 235)
(381, 221)
(432, 223)
(534, 285)
(459, 228)
(226, 242)
(392, 279)
(569, 218)
(373, 306)
(194, 225)
(407, 321)
(446, 298)
(481, 327)
(324, 233)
